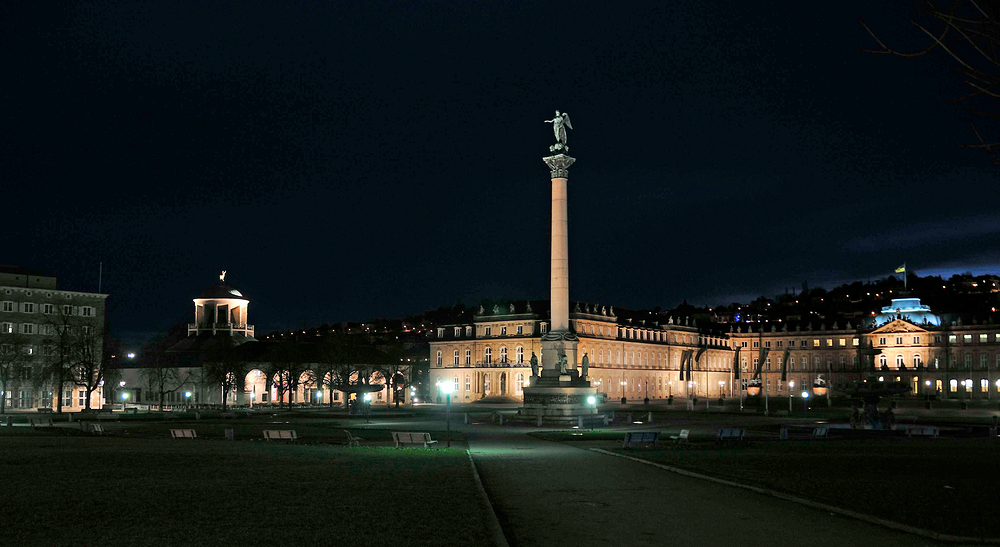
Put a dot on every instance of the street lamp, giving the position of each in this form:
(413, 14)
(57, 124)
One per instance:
(791, 385)
(447, 388)
(187, 398)
(592, 401)
(124, 399)
(624, 384)
(368, 408)
(805, 399)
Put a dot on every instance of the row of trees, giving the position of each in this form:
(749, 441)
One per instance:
(341, 363)
(68, 352)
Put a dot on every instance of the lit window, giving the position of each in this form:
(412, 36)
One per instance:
(952, 338)
(815, 342)
(456, 357)
(487, 355)
(843, 342)
(829, 342)
(967, 339)
(982, 338)
(468, 383)
(520, 354)
(503, 355)
(468, 357)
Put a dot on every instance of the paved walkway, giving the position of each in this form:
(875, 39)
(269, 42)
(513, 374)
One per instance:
(548, 493)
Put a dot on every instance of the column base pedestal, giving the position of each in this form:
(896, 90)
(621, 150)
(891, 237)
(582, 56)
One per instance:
(558, 398)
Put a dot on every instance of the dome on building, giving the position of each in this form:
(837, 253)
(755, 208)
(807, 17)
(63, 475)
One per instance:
(909, 309)
(221, 291)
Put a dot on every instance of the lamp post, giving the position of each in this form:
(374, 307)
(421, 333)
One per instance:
(805, 399)
(121, 384)
(124, 398)
(592, 401)
(447, 388)
(624, 384)
(927, 384)
(187, 399)
(722, 390)
(368, 408)
(791, 385)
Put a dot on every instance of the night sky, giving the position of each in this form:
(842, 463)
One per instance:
(352, 160)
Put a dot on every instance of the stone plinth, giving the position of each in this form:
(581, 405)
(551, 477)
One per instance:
(553, 399)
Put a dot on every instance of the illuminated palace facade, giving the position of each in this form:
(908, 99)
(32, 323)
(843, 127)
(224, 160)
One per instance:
(491, 355)
(635, 358)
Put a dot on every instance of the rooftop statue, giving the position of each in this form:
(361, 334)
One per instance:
(222, 276)
(559, 125)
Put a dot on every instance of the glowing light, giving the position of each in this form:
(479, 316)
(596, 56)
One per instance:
(131, 355)
(805, 394)
(591, 400)
(187, 394)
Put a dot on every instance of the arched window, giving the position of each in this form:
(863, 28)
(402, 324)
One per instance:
(456, 356)
(520, 382)
(618, 357)
(439, 358)
(520, 356)
(468, 357)
(633, 359)
(487, 355)
(805, 363)
(882, 361)
(503, 355)
(916, 361)
(983, 361)
(968, 360)
(899, 361)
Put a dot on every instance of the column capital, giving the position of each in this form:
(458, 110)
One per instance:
(559, 164)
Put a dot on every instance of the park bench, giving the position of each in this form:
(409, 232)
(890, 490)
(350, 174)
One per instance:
(408, 437)
(931, 432)
(649, 437)
(351, 439)
(40, 422)
(271, 434)
(97, 428)
(682, 438)
(183, 434)
(730, 434)
(820, 431)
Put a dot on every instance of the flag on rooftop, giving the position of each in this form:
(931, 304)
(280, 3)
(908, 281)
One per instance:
(901, 269)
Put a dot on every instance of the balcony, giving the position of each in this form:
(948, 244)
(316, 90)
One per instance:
(240, 328)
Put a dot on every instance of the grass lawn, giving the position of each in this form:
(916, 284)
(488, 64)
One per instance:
(947, 485)
(71, 489)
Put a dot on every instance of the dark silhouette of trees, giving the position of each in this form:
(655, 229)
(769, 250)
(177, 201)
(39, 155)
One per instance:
(13, 359)
(968, 33)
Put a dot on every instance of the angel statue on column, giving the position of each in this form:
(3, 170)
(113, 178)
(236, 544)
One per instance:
(559, 125)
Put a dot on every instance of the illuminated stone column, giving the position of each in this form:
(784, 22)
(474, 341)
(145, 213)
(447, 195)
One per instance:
(559, 264)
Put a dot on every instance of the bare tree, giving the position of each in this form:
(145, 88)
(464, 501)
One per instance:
(61, 352)
(95, 352)
(224, 367)
(285, 369)
(13, 356)
(160, 370)
(968, 32)
(392, 370)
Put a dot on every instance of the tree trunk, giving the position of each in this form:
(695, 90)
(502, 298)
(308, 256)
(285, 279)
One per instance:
(59, 394)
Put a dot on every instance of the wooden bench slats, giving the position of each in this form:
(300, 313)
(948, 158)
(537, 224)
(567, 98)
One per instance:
(183, 434)
(289, 434)
(731, 434)
(683, 437)
(410, 437)
(651, 437)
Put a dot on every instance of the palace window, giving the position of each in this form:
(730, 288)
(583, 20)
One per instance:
(520, 354)
(952, 338)
(842, 362)
(438, 358)
(27, 328)
(815, 342)
(458, 332)
(815, 363)
(503, 331)
(87, 311)
(468, 357)
(953, 386)
(455, 384)
(767, 363)
(520, 329)
(882, 361)
(982, 338)
(855, 342)
(916, 361)
(743, 344)
(791, 343)
(503, 355)
(899, 340)
(966, 338)
(780, 343)
(487, 355)
(767, 343)
(829, 342)
(47, 309)
(489, 331)
(468, 383)
(520, 383)
(8, 306)
(983, 361)
(67, 310)
(881, 341)
(899, 361)
(968, 360)
(916, 339)
(456, 357)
